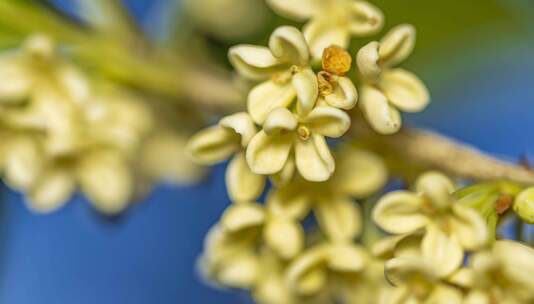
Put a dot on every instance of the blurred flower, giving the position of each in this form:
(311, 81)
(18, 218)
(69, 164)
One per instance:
(286, 65)
(332, 22)
(449, 228)
(386, 90)
(524, 205)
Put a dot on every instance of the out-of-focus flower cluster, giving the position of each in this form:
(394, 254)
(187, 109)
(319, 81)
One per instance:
(62, 130)
(310, 242)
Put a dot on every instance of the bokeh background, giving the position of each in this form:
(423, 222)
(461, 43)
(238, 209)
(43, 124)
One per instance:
(476, 56)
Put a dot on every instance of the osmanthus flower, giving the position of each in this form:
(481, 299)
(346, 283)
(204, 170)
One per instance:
(502, 274)
(524, 205)
(448, 227)
(230, 137)
(283, 132)
(285, 72)
(386, 90)
(331, 21)
(416, 282)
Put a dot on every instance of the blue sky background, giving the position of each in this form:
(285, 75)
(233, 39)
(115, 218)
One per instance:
(483, 95)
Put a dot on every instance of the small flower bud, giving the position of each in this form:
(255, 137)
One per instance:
(524, 205)
(336, 60)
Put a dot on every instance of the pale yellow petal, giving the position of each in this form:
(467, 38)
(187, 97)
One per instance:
(437, 187)
(477, 297)
(280, 120)
(338, 217)
(382, 117)
(268, 154)
(367, 19)
(106, 179)
(213, 145)
(307, 275)
(344, 96)
(400, 271)
(367, 60)
(242, 184)
(443, 251)
(346, 258)
(404, 90)
(322, 33)
(400, 212)
(15, 80)
(254, 62)
(52, 191)
(298, 10)
(285, 176)
(359, 172)
(289, 202)
(524, 205)
(314, 160)
(397, 45)
(268, 96)
(443, 294)
(242, 216)
(24, 163)
(469, 227)
(240, 272)
(241, 123)
(288, 45)
(285, 237)
(328, 121)
(305, 84)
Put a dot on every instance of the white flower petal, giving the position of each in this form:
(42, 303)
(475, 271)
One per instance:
(338, 217)
(367, 19)
(443, 251)
(285, 176)
(359, 173)
(213, 145)
(400, 212)
(242, 124)
(382, 117)
(314, 160)
(322, 33)
(299, 10)
(397, 45)
(399, 271)
(328, 121)
(240, 217)
(437, 187)
(52, 192)
(404, 90)
(290, 201)
(469, 227)
(285, 237)
(254, 62)
(344, 95)
(268, 96)
(305, 274)
(367, 61)
(268, 154)
(279, 121)
(243, 185)
(305, 84)
(289, 45)
(106, 179)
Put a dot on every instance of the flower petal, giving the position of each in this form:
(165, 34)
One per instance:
(443, 251)
(338, 217)
(52, 192)
(285, 237)
(15, 80)
(328, 121)
(347, 258)
(443, 294)
(359, 173)
(305, 274)
(367, 19)
(268, 96)
(344, 95)
(268, 154)
(322, 33)
(289, 45)
(314, 160)
(213, 145)
(397, 45)
(382, 117)
(400, 212)
(400, 271)
(367, 61)
(241, 123)
(524, 205)
(298, 10)
(280, 121)
(24, 163)
(290, 202)
(106, 179)
(241, 183)
(404, 90)
(285, 176)
(305, 84)
(437, 187)
(469, 227)
(254, 62)
(241, 271)
(243, 216)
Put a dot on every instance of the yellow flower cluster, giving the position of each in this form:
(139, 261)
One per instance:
(61, 131)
